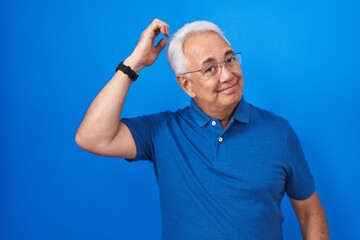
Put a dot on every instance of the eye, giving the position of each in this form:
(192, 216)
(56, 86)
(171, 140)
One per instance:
(209, 69)
(230, 60)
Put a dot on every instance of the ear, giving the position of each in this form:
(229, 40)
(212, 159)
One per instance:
(186, 85)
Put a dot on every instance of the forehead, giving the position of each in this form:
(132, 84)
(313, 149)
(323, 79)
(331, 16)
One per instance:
(206, 45)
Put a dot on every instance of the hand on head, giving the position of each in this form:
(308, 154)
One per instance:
(146, 52)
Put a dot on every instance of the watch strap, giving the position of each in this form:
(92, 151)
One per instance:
(127, 70)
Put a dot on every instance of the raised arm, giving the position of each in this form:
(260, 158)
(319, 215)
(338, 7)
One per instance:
(101, 130)
(311, 217)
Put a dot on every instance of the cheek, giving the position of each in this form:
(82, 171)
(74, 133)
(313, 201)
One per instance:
(238, 73)
(212, 87)
(206, 87)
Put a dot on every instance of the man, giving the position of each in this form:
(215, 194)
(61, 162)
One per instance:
(222, 165)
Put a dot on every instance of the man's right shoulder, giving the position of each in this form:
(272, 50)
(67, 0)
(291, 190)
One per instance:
(160, 117)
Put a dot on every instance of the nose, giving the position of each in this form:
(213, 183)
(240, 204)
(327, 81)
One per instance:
(225, 73)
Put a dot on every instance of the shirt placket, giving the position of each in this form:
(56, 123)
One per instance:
(218, 138)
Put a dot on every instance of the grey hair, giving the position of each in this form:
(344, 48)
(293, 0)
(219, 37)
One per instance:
(175, 52)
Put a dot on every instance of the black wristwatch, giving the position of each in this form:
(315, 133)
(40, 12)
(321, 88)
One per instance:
(127, 70)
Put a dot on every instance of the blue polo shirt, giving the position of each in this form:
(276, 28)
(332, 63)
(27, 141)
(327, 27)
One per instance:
(222, 183)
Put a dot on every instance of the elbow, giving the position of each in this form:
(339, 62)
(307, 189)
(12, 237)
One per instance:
(88, 142)
(81, 141)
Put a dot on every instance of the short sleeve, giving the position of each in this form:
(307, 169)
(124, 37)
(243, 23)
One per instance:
(143, 130)
(300, 183)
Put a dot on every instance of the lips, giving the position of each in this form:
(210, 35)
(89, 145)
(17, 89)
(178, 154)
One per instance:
(228, 86)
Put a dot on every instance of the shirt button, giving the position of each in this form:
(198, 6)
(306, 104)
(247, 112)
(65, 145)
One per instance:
(213, 123)
(220, 139)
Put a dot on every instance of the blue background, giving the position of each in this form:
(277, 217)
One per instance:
(300, 60)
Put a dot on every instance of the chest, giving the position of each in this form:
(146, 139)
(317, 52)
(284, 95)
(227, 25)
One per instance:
(239, 160)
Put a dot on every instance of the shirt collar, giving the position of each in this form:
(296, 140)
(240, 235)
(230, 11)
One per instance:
(242, 113)
(198, 115)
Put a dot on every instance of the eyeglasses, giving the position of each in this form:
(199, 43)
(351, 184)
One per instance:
(212, 70)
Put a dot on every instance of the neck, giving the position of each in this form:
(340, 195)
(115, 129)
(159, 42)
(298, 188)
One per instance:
(224, 117)
(224, 114)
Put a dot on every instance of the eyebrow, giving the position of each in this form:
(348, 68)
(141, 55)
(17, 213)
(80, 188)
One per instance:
(210, 60)
(229, 52)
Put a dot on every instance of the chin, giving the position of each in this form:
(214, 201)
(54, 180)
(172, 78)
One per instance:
(232, 100)
(237, 99)
(236, 95)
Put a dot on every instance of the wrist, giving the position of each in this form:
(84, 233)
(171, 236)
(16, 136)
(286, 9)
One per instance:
(134, 65)
(127, 70)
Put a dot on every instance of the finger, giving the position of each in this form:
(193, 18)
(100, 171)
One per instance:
(157, 26)
(154, 31)
(160, 45)
(164, 29)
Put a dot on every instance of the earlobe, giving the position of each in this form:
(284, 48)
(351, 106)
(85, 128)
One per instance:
(186, 85)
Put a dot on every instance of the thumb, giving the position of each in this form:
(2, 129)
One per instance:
(160, 45)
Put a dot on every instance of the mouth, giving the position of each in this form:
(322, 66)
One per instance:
(229, 86)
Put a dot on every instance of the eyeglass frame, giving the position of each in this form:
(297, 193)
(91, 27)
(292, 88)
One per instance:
(239, 60)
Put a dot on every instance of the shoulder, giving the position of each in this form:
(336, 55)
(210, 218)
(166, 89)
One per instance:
(267, 123)
(265, 116)
(156, 120)
(150, 120)
(168, 116)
